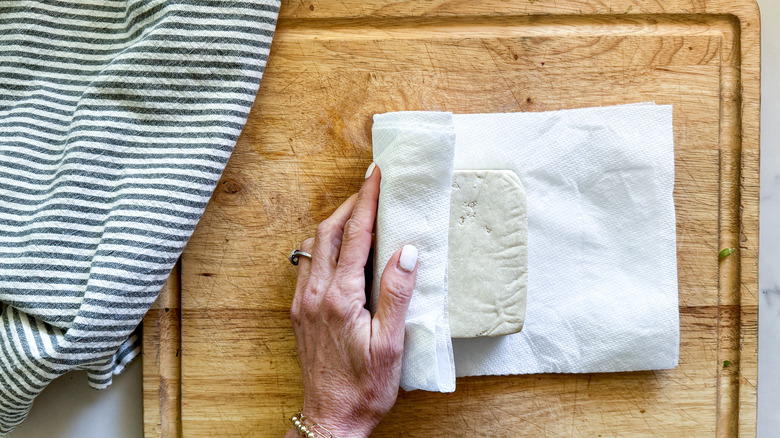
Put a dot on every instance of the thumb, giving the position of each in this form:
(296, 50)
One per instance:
(395, 291)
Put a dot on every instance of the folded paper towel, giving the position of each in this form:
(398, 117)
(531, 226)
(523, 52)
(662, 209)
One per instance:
(602, 266)
(415, 152)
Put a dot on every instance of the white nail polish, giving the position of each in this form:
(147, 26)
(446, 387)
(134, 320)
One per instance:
(408, 259)
(370, 170)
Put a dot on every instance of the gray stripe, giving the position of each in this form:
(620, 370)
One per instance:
(96, 51)
(91, 338)
(83, 350)
(92, 246)
(129, 281)
(92, 7)
(126, 9)
(53, 293)
(125, 120)
(124, 166)
(70, 16)
(130, 121)
(128, 25)
(110, 177)
(46, 267)
(113, 154)
(149, 270)
(161, 259)
(115, 218)
(176, 74)
(98, 210)
(97, 234)
(159, 24)
(110, 316)
(112, 304)
(130, 85)
(31, 305)
(106, 188)
(33, 56)
(151, 144)
(99, 381)
(45, 280)
(115, 328)
(71, 196)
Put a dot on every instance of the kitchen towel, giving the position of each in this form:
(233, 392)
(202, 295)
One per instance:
(116, 121)
(602, 272)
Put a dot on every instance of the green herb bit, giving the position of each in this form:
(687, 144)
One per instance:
(726, 363)
(725, 252)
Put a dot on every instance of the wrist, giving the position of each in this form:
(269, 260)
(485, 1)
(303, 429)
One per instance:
(329, 425)
(345, 429)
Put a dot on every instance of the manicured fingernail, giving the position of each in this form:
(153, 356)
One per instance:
(408, 259)
(370, 170)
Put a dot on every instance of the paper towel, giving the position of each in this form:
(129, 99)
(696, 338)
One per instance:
(415, 152)
(602, 273)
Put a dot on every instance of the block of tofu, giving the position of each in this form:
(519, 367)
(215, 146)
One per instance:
(488, 253)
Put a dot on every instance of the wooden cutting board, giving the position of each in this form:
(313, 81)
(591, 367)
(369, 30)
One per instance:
(219, 353)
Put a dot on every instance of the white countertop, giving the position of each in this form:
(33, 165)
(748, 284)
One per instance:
(769, 239)
(68, 408)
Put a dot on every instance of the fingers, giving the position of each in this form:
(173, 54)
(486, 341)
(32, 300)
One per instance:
(357, 239)
(395, 293)
(327, 242)
(304, 270)
(340, 247)
(315, 275)
(304, 263)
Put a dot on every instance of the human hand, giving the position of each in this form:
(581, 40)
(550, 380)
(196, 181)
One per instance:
(351, 362)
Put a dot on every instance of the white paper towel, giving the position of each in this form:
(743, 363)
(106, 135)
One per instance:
(602, 266)
(415, 152)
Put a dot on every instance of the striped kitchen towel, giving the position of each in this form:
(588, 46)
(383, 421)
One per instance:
(117, 118)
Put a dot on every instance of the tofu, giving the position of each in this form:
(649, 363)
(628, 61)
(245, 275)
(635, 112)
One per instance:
(488, 253)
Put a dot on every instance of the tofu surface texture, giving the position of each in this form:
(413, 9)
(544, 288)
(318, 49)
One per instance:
(488, 253)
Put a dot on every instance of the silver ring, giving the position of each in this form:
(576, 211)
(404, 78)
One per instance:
(296, 254)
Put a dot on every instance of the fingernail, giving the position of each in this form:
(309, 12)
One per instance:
(370, 170)
(408, 259)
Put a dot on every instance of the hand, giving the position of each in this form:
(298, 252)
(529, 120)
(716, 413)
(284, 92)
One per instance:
(351, 362)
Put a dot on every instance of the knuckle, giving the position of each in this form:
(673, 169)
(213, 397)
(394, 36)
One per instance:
(324, 230)
(296, 310)
(308, 309)
(391, 352)
(397, 288)
(351, 283)
(395, 351)
(295, 314)
(337, 309)
(307, 245)
(353, 228)
(333, 308)
(308, 304)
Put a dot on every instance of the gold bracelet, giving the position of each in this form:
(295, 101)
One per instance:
(314, 430)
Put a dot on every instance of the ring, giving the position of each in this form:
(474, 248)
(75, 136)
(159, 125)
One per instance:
(296, 254)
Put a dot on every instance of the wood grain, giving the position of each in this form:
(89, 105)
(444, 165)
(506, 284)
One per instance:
(162, 362)
(306, 146)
